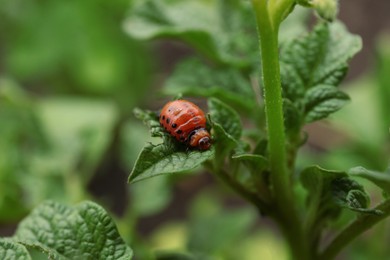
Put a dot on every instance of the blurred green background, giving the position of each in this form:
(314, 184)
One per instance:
(69, 79)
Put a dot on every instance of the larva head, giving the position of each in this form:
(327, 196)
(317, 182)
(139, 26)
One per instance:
(200, 139)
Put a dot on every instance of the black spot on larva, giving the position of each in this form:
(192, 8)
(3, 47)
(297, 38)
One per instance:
(168, 120)
(174, 125)
(182, 138)
(163, 117)
(179, 131)
(191, 112)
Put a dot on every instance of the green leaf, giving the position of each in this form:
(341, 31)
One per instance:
(159, 159)
(225, 116)
(255, 163)
(261, 147)
(305, 3)
(152, 19)
(78, 128)
(194, 78)
(78, 132)
(22, 138)
(323, 100)
(38, 251)
(222, 141)
(292, 117)
(331, 190)
(150, 119)
(320, 202)
(104, 62)
(258, 175)
(326, 9)
(133, 137)
(317, 181)
(226, 128)
(10, 250)
(350, 194)
(224, 31)
(319, 58)
(84, 231)
(382, 180)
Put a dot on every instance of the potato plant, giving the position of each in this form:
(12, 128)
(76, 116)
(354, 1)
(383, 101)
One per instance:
(298, 77)
(264, 76)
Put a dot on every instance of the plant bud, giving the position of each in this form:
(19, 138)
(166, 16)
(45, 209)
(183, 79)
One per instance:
(326, 9)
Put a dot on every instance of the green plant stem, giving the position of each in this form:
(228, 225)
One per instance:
(273, 102)
(353, 230)
(268, 21)
(238, 188)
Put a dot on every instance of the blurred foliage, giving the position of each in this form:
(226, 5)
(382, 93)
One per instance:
(73, 47)
(366, 137)
(70, 75)
(364, 125)
(50, 147)
(69, 79)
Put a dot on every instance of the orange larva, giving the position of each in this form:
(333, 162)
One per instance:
(186, 122)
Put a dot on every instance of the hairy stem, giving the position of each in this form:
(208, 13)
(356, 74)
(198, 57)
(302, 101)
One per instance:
(268, 16)
(353, 230)
(273, 102)
(238, 188)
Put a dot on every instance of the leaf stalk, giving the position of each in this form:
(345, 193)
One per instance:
(361, 224)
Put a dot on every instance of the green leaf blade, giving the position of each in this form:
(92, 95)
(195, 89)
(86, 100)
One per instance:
(193, 77)
(313, 178)
(349, 194)
(323, 100)
(13, 251)
(226, 128)
(255, 163)
(382, 180)
(292, 117)
(226, 117)
(81, 232)
(158, 159)
(150, 119)
(224, 37)
(223, 142)
(320, 58)
(341, 47)
(330, 191)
